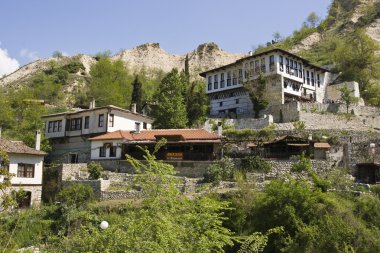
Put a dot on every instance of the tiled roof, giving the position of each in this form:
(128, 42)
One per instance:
(187, 135)
(18, 147)
(321, 145)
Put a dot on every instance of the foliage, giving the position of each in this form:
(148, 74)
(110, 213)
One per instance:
(57, 54)
(255, 164)
(137, 93)
(76, 195)
(95, 170)
(347, 97)
(256, 242)
(6, 198)
(197, 104)
(257, 94)
(299, 125)
(312, 20)
(373, 94)
(171, 107)
(109, 83)
(222, 169)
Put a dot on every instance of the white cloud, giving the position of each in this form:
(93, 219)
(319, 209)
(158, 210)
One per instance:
(7, 64)
(30, 55)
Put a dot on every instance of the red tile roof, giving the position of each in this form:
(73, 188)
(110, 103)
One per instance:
(187, 135)
(18, 147)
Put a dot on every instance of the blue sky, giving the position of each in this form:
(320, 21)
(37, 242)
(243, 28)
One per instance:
(35, 29)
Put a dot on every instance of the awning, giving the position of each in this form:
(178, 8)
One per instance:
(298, 144)
(322, 145)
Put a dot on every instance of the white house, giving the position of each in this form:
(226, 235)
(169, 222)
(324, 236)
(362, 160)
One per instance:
(27, 165)
(68, 131)
(288, 77)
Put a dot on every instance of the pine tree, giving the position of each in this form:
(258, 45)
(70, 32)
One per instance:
(187, 69)
(171, 106)
(137, 93)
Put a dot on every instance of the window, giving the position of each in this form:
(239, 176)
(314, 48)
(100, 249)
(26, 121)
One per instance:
(240, 75)
(237, 101)
(220, 104)
(113, 151)
(25, 170)
(263, 67)
(296, 69)
(112, 118)
(281, 63)
(75, 124)
(246, 70)
(102, 152)
(291, 64)
(312, 79)
(308, 77)
(229, 78)
(215, 81)
(209, 83)
(234, 78)
(271, 63)
(101, 120)
(300, 70)
(318, 80)
(257, 67)
(55, 126)
(222, 80)
(87, 122)
(287, 65)
(251, 66)
(145, 125)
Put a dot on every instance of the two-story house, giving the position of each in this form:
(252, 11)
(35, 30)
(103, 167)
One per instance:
(288, 77)
(69, 132)
(26, 164)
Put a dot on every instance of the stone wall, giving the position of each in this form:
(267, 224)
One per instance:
(36, 192)
(288, 112)
(73, 170)
(340, 108)
(242, 123)
(333, 91)
(97, 185)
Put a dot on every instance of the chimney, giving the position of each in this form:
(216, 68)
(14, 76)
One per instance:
(134, 108)
(92, 104)
(137, 126)
(38, 140)
(250, 53)
(220, 129)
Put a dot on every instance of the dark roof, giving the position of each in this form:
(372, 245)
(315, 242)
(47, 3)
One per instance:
(97, 108)
(306, 62)
(18, 147)
(187, 135)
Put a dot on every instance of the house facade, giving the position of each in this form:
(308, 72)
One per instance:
(26, 164)
(182, 144)
(69, 132)
(288, 77)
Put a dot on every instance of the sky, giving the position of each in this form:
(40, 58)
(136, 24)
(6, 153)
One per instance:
(30, 30)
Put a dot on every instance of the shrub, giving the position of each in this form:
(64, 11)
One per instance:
(221, 170)
(255, 164)
(95, 170)
(76, 195)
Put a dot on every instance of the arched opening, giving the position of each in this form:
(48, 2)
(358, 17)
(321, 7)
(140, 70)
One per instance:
(25, 201)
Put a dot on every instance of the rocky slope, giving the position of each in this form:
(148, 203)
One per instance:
(149, 56)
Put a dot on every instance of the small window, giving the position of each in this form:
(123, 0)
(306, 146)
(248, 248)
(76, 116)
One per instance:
(229, 78)
(55, 126)
(318, 80)
(145, 125)
(101, 120)
(220, 104)
(102, 152)
(87, 122)
(222, 80)
(112, 117)
(25, 170)
(234, 78)
(240, 75)
(75, 124)
(209, 83)
(263, 67)
(216, 82)
(281, 63)
(113, 151)
(237, 101)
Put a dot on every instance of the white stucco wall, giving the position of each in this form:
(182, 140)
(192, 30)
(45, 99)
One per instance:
(126, 121)
(15, 159)
(95, 146)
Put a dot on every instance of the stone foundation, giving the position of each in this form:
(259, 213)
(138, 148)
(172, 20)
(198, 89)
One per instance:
(36, 192)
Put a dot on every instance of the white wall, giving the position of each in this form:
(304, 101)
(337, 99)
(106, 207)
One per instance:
(126, 121)
(95, 145)
(15, 159)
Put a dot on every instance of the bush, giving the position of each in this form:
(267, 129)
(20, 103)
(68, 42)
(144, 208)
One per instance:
(76, 195)
(95, 170)
(221, 170)
(255, 164)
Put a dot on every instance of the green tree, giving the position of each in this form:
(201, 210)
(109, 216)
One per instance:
(373, 94)
(137, 93)
(171, 108)
(257, 95)
(6, 198)
(109, 83)
(347, 97)
(197, 104)
(312, 20)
